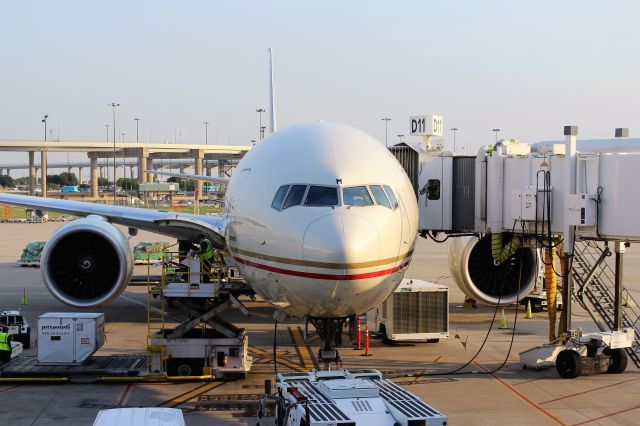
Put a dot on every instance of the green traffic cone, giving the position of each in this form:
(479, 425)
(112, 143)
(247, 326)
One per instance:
(503, 321)
(529, 314)
(24, 297)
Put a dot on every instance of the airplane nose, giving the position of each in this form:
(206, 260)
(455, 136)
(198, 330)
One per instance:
(339, 240)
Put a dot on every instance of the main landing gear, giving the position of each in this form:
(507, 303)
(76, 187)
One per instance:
(330, 331)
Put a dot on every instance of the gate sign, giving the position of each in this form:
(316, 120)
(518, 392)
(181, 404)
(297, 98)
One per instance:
(426, 125)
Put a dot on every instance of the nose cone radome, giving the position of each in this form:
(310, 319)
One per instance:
(339, 241)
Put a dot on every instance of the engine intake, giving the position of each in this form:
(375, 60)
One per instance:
(87, 263)
(472, 267)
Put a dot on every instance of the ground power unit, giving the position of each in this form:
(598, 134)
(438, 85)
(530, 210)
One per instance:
(416, 311)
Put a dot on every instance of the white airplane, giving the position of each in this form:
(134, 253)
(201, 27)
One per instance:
(320, 219)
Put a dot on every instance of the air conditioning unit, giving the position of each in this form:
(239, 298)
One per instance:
(416, 311)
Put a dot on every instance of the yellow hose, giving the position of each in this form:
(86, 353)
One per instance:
(551, 288)
(501, 253)
(563, 320)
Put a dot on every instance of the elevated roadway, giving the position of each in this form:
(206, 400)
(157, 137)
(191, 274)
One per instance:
(145, 157)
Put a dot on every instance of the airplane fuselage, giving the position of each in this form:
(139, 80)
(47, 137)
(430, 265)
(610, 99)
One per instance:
(321, 220)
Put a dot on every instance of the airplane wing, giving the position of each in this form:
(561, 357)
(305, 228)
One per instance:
(194, 177)
(182, 226)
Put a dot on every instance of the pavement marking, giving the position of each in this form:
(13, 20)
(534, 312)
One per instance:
(438, 358)
(591, 390)
(124, 395)
(302, 347)
(10, 388)
(521, 395)
(529, 381)
(607, 415)
(182, 398)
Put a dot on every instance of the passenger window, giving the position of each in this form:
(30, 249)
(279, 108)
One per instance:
(356, 196)
(295, 196)
(322, 196)
(433, 189)
(378, 194)
(279, 198)
(392, 197)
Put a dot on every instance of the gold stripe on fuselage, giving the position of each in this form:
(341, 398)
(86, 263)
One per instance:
(315, 264)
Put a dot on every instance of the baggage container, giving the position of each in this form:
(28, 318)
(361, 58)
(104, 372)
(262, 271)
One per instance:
(68, 337)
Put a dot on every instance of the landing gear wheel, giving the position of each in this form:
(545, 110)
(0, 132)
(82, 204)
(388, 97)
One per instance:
(568, 364)
(184, 369)
(618, 362)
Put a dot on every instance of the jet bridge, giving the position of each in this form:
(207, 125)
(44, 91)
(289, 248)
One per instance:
(514, 204)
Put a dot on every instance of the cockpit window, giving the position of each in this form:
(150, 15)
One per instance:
(279, 198)
(295, 196)
(392, 197)
(356, 196)
(322, 196)
(378, 194)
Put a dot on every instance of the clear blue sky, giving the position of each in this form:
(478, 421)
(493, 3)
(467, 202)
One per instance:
(525, 67)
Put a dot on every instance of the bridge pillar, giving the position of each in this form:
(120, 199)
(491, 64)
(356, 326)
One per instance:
(143, 160)
(198, 157)
(1, 171)
(150, 176)
(80, 177)
(43, 172)
(93, 172)
(32, 173)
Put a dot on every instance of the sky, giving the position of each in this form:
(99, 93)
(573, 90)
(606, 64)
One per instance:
(526, 67)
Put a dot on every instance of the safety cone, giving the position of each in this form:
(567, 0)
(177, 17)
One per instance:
(529, 315)
(24, 297)
(503, 321)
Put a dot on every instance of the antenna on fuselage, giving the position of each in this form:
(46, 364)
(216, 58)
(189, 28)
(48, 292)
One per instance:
(272, 94)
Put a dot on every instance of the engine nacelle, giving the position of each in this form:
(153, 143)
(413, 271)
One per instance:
(87, 262)
(474, 271)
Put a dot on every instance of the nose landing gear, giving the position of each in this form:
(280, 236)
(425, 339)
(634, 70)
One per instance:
(330, 331)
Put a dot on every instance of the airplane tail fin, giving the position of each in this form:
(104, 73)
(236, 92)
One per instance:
(272, 94)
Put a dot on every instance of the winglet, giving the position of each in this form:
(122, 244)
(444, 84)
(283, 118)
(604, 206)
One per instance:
(272, 96)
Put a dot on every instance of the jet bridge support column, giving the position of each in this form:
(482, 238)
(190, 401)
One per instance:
(570, 133)
(93, 172)
(32, 173)
(617, 307)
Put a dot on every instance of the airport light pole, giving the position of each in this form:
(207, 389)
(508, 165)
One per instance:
(386, 130)
(113, 105)
(455, 129)
(496, 130)
(260, 128)
(206, 133)
(137, 123)
(44, 120)
(107, 126)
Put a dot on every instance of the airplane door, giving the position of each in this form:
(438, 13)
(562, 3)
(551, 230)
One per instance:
(435, 197)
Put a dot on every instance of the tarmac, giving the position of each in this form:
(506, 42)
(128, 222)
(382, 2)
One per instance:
(479, 396)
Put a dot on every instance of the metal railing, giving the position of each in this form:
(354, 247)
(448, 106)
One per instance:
(594, 289)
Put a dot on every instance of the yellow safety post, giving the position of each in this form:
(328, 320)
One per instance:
(503, 321)
(551, 286)
(529, 314)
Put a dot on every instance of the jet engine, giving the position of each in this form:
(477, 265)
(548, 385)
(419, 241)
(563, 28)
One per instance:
(472, 266)
(87, 262)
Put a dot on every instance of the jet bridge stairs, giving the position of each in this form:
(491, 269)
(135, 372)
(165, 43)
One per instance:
(594, 284)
